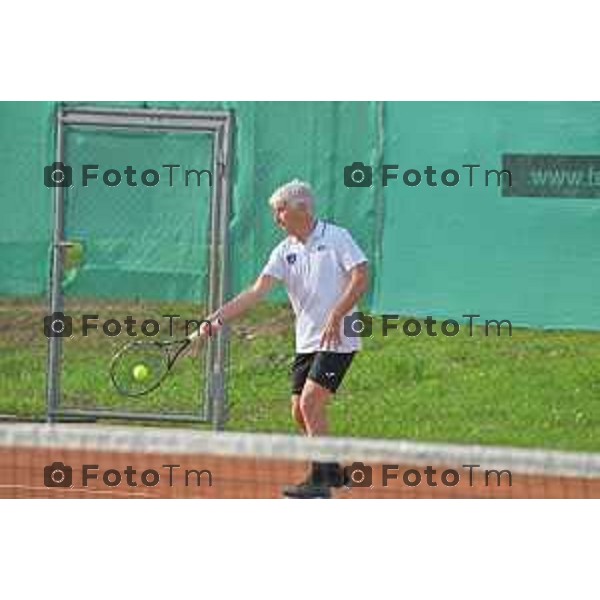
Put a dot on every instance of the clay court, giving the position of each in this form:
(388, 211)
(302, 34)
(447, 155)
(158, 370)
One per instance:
(258, 466)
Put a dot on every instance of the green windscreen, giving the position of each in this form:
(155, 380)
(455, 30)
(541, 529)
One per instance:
(26, 146)
(447, 251)
(528, 254)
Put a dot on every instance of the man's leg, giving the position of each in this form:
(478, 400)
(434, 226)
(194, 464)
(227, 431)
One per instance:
(326, 374)
(313, 405)
(313, 408)
(309, 411)
(300, 369)
(297, 413)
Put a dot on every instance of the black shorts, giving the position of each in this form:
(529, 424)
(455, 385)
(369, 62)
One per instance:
(325, 368)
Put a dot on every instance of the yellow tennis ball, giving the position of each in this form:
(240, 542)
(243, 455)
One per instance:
(141, 372)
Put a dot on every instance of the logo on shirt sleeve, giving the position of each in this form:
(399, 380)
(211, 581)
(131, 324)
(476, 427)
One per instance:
(290, 258)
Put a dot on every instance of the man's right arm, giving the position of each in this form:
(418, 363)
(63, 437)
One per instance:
(241, 303)
(247, 299)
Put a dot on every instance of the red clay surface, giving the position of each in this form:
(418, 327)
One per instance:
(22, 476)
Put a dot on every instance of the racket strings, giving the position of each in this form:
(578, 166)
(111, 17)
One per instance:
(140, 368)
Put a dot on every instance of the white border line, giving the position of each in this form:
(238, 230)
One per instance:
(112, 493)
(278, 446)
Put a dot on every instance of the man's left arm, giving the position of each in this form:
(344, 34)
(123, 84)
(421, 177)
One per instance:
(358, 284)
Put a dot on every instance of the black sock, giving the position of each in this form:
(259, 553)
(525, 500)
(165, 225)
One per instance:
(325, 473)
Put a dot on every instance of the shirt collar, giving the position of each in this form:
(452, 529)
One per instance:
(315, 234)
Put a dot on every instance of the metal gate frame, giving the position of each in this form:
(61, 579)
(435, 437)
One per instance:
(220, 124)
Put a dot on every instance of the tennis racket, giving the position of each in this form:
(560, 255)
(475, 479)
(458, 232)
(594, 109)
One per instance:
(141, 366)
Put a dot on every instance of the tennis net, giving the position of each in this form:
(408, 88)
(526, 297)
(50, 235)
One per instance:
(74, 460)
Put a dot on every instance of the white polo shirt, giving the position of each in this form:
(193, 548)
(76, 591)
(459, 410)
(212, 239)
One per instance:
(315, 275)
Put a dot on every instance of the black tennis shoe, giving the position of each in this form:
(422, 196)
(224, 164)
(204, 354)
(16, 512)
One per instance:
(318, 484)
(307, 490)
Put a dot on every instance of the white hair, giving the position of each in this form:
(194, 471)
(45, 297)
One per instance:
(295, 193)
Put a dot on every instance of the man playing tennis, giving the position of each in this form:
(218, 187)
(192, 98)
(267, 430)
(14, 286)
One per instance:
(325, 274)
